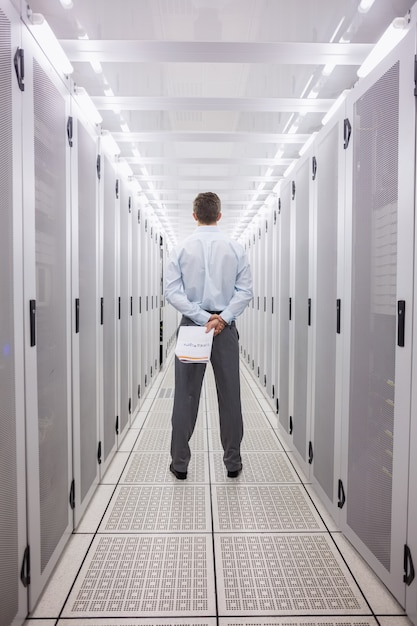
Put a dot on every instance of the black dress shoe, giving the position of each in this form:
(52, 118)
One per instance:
(177, 474)
(233, 473)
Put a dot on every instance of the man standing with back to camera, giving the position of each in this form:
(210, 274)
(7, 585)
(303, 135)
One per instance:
(208, 280)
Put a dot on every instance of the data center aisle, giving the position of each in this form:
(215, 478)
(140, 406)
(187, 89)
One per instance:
(251, 551)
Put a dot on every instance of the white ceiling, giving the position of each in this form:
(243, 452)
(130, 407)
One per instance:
(217, 95)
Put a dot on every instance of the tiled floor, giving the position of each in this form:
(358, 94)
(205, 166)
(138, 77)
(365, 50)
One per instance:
(258, 550)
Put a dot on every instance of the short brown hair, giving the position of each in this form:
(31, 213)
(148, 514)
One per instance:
(207, 207)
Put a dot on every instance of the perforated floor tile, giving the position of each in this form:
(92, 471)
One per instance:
(129, 621)
(151, 508)
(253, 440)
(250, 404)
(153, 467)
(251, 421)
(145, 575)
(289, 574)
(258, 508)
(258, 467)
(151, 439)
(298, 621)
(162, 420)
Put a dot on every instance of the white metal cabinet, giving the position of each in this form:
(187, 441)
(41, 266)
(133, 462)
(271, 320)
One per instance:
(86, 311)
(13, 595)
(300, 314)
(376, 417)
(326, 283)
(284, 307)
(109, 310)
(47, 313)
(125, 305)
(136, 259)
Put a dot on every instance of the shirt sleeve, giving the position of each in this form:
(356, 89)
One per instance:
(243, 292)
(175, 294)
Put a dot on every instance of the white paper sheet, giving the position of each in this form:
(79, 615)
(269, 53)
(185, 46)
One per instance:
(194, 344)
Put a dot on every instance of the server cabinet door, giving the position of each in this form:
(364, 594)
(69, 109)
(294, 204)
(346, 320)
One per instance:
(13, 593)
(86, 313)
(125, 317)
(275, 305)
(145, 303)
(135, 382)
(300, 313)
(381, 186)
(109, 313)
(411, 589)
(267, 304)
(325, 322)
(46, 165)
(285, 308)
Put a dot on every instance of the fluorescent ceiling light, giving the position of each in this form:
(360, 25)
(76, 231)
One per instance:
(303, 93)
(88, 106)
(67, 4)
(261, 186)
(290, 168)
(313, 93)
(328, 69)
(333, 37)
(136, 152)
(365, 5)
(307, 144)
(108, 91)
(125, 128)
(269, 172)
(391, 37)
(336, 104)
(109, 143)
(96, 65)
(50, 44)
(278, 155)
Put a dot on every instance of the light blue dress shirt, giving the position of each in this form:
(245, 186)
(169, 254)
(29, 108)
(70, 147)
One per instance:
(208, 272)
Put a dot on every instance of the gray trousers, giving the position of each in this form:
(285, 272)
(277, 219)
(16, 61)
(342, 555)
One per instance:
(188, 383)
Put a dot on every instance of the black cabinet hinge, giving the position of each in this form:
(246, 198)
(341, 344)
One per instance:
(310, 452)
(130, 406)
(309, 312)
(290, 309)
(98, 166)
(291, 425)
(293, 189)
(138, 391)
(341, 495)
(129, 204)
(117, 188)
(70, 131)
(347, 131)
(99, 453)
(138, 216)
(409, 573)
(275, 217)
(273, 391)
(279, 205)
(120, 307)
(19, 66)
(117, 425)
(140, 304)
(72, 495)
(277, 406)
(101, 311)
(25, 569)
(131, 306)
(313, 168)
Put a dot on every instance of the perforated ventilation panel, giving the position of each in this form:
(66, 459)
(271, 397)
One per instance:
(151, 439)
(259, 467)
(298, 621)
(145, 575)
(87, 242)
(256, 508)
(325, 322)
(8, 483)
(284, 574)
(51, 308)
(373, 338)
(153, 467)
(151, 508)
